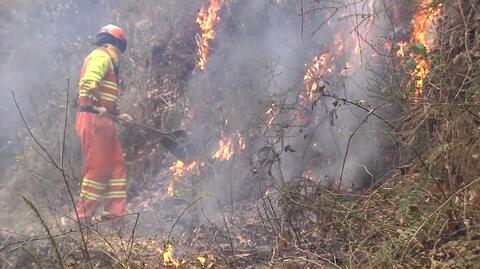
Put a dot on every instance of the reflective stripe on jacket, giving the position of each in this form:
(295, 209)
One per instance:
(98, 79)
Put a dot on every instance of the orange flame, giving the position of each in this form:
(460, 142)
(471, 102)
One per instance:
(241, 142)
(167, 255)
(225, 150)
(271, 113)
(226, 146)
(401, 49)
(312, 79)
(423, 22)
(179, 170)
(207, 19)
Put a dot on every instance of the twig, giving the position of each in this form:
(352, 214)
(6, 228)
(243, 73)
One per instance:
(267, 215)
(45, 226)
(349, 143)
(324, 22)
(23, 242)
(55, 164)
(303, 17)
(51, 159)
(181, 214)
(263, 222)
(465, 22)
(62, 170)
(229, 239)
(14, 229)
(132, 236)
(273, 211)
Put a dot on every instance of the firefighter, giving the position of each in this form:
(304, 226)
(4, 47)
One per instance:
(105, 175)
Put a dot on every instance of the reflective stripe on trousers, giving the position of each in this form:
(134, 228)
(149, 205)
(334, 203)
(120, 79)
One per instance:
(104, 177)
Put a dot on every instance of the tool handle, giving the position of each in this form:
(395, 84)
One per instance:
(116, 118)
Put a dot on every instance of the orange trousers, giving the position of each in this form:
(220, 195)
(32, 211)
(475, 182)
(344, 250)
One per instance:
(105, 174)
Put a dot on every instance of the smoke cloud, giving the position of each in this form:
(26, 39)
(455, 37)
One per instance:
(258, 58)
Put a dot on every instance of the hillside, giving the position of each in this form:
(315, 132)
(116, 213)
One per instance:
(324, 134)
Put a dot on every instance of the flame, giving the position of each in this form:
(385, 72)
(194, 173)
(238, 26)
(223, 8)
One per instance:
(202, 260)
(357, 46)
(271, 113)
(308, 174)
(312, 79)
(225, 150)
(171, 188)
(167, 255)
(179, 169)
(313, 83)
(241, 142)
(207, 261)
(401, 49)
(420, 73)
(423, 22)
(226, 146)
(207, 19)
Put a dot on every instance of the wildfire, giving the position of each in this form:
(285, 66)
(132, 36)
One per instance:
(167, 255)
(179, 169)
(271, 113)
(423, 22)
(207, 19)
(241, 142)
(401, 49)
(313, 83)
(166, 252)
(226, 147)
(308, 174)
(207, 261)
(312, 79)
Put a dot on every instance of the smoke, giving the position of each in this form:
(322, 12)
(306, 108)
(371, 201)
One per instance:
(259, 57)
(42, 44)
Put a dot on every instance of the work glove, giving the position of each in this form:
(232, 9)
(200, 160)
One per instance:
(125, 117)
(102, 111)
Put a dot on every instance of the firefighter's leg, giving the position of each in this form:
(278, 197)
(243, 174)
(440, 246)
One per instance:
(116, 195)
(95, 136)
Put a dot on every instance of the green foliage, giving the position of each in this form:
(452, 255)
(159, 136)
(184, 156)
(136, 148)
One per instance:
(410, 65)
(418, 49)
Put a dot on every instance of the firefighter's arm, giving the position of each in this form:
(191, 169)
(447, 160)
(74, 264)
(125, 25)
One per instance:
(98, 63)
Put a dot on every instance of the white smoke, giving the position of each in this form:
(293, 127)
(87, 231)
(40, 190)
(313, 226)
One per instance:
(259, 56)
